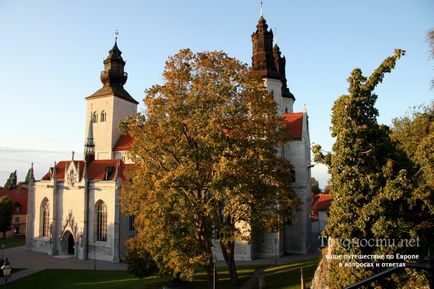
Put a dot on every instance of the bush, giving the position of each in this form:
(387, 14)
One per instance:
(140, 263)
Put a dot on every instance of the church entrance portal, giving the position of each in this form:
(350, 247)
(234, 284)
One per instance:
(68, 244)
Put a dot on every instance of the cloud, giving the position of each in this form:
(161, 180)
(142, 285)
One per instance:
(320, 173)
(20, 159)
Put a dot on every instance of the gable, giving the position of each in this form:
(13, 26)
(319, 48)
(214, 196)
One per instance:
(293, 124)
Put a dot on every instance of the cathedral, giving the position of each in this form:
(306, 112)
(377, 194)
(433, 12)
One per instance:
(74, 209)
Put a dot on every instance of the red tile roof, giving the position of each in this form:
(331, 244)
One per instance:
(293, 124)
(60, 169)
(321, 203)
(124, 143)
(95, 170)
(18, 195)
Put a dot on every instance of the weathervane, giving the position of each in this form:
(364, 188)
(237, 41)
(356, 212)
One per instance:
(116, 33)
(262, 10)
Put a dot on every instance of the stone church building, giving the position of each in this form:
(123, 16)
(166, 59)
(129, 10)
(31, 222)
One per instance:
(75, 208)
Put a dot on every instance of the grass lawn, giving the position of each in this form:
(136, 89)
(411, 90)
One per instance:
(87, 279)
(12, 242)
(277, 277)
(83, 279)
(288, 276)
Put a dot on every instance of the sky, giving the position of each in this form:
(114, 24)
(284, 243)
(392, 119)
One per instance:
(52, 52)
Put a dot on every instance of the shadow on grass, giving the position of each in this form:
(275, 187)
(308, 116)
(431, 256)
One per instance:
(277, 277)
(87, 279)
(12, 242)
(288, 276)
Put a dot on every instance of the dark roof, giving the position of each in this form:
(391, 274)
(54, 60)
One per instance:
(293, 124)
(116, 90)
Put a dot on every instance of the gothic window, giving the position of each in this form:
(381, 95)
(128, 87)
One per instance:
(101, 221)
(94, 117)
(103, 117)
(45, 218)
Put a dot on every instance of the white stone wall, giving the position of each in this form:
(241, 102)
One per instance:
(274, 87)
(105, 191)
(107, 133)
(243, 250)
(40, 191)
(298, 232)
(124, 156)
(287, 105)
(71, 218)
(322, 220)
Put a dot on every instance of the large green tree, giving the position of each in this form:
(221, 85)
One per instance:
(414, 135)
(206, 163)
(6, 211)
(370, 182)
(11, 182)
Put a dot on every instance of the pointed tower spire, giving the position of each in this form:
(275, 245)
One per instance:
(89, 146)
(280, 62)
(113, 73)
(30, 177)
(263, 59)
(113, 76)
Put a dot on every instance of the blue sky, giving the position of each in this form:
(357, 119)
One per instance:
(52, 53)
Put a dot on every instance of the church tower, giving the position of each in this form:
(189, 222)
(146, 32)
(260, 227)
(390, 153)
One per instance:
(292, 236)
(269, 63)
(110, 105)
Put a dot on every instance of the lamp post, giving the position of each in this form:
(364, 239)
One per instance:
(275, 251)
(7, 270)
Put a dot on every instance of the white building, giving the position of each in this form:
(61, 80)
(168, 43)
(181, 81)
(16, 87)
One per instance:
(294, 236)
(74, 209)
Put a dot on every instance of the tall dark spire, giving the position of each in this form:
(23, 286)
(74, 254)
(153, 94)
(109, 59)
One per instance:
(89, 146)
(113, 76)
(113, 73)
(263, 59)
(280, 62)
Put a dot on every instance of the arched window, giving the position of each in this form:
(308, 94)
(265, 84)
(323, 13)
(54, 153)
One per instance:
(103, 117)
(94, 117)
(45, 218)
(101, 221)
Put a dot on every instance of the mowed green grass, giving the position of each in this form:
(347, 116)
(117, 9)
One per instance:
(12, 242)
(277, 277)
(83, 279)
(87, 279)
(288, 276)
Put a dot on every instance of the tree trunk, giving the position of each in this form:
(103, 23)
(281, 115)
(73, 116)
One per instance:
(209, 267)
(210, 280)
(4, 234)
(228, 251)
